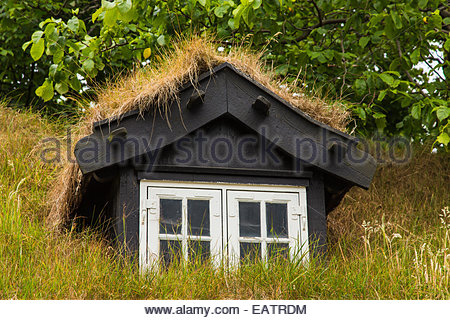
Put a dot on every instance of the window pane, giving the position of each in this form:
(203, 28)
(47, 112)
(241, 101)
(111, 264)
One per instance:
(278, 250)
(198, 217)
(250, 251)
(199, 249)
(170, 216)
(276, 215)
(249, 219)
(169, 250)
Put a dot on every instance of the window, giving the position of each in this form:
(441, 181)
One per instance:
(263, 224)
(182, 223)
(237, 222)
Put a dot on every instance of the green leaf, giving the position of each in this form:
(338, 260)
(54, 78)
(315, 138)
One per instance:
(395, 73)
(111, 17)
(435, 20)
(319, 56)
(202, 2)
(73, 24)
(96, 14)
(88, 65)
(364, 41)
(237, 13)
(50, 32)
(36, 36)
(415, 56)
(322, 31)
(52, 70)
(397, 19)
(282, 69)
(379, 5)
(58, 55)
(161, 40)
(26, 44)
(37, 49)
(100, 65)
(245, 16)
(221, 11)
(233, 23)
(46, 90)
(132, 27)
(124, 6)
(375, 20)
(422, 4)
(61, 87)
(88, 52)
(447, 45)
(60, 76)
(396, 83)
(379, 115)
(443, 138)
(405, 101)
(108, 5)
(415, 111)
(389, 28)
(73, 46)
(360, 86)
(361, 113)
(256, 4)
(443, 113)
(43, 23)
(388, 79)
(75, 83)
(382, 95)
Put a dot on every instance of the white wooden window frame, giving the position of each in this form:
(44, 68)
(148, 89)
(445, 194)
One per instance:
(220, 216)
(153, 237)
(295, 219)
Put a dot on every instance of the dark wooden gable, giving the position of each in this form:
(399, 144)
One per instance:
(231, 152)
(227, 93)
(227, 144)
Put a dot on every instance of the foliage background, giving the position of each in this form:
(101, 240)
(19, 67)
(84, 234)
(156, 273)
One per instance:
(388, 60)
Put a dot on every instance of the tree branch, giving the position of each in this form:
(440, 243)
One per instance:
(410, 78)
(115, 45)
(319, 14)
(307, 31)
(433, 69)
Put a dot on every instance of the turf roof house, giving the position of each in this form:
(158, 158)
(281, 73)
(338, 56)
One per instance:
(233, 168)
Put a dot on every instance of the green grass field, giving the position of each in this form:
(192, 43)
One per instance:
(391, 242)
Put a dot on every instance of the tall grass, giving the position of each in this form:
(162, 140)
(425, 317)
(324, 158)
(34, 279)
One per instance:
(391, 242)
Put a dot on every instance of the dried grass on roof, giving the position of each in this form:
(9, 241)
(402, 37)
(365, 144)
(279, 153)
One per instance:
(154, 88)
